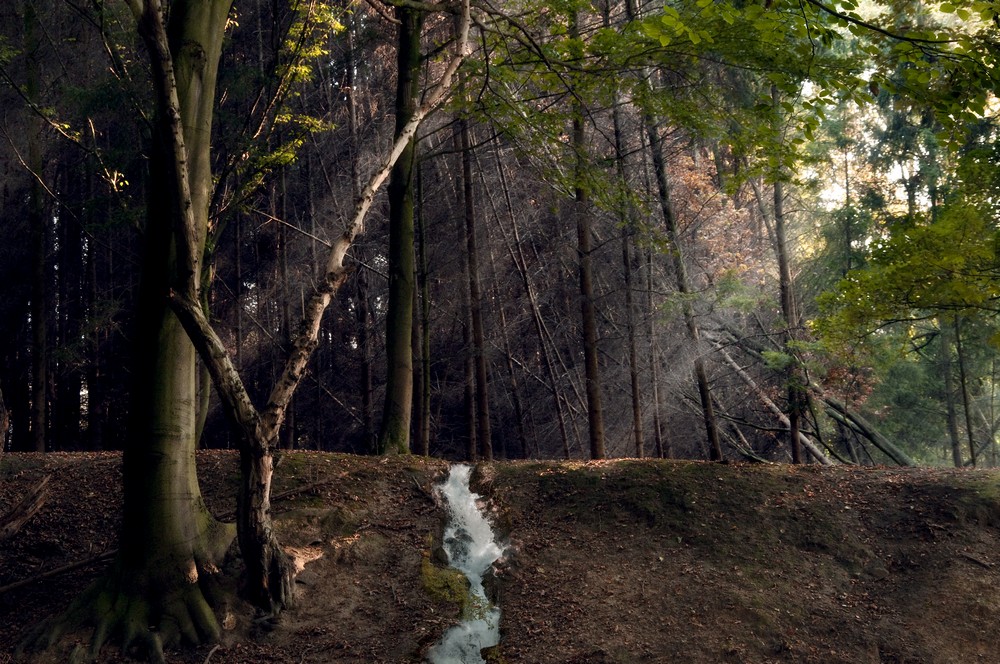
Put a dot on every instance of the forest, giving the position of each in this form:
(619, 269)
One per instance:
(726, 230)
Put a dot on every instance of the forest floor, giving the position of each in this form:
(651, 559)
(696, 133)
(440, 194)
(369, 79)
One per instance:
(618, 561)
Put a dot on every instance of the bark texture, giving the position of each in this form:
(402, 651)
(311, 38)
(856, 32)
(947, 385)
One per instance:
(394, 432)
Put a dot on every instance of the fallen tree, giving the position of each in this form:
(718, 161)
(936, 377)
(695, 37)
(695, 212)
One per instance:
(773, 407)
(27, 507)
(838, 410)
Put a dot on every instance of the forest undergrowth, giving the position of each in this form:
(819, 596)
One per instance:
(616, 561)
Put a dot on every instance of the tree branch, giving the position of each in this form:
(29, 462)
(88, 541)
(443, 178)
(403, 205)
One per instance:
(149, 16)
(336, 272)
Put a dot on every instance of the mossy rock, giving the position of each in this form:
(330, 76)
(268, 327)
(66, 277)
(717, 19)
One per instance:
(444, 585)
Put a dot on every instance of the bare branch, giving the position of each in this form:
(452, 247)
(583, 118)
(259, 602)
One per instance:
(336, 272)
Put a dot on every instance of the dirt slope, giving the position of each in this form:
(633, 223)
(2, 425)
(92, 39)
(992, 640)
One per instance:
(622, 561)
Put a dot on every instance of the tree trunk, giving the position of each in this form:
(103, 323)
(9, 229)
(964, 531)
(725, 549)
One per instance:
(947, 342)
(794, 386)
(683, 287)
(39, 241)
(423, 403)
(628, 226)
(365, 349)
(588, 311)
(664, 449)
(170, 544)
(964, 385)
(394, 433)
(483, 433)
(268, 568)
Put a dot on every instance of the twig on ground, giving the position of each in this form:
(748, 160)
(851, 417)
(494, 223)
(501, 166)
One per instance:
(211, 652)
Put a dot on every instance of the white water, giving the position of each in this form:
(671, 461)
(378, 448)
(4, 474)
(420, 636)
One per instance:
(472, 549)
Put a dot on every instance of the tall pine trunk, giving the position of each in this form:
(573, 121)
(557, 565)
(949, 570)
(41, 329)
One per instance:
(588, 310)
(37, 223)
(683, 287)
(795, 388)
(483, 434)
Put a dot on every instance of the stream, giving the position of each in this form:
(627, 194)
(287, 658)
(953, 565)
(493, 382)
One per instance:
(472, 549)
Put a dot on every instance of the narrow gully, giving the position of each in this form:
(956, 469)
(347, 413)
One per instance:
(472, 549)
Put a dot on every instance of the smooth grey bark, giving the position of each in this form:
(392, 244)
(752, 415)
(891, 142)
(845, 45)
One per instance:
(171, 546)
(394, 431)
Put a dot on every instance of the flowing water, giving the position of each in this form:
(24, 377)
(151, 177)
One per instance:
(472, 549)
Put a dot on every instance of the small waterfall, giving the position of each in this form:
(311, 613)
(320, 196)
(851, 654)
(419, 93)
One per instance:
(471, 549)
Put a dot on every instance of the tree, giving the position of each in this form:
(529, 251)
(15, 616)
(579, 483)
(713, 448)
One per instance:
(268, 568)
(170, 545)
(394, 432)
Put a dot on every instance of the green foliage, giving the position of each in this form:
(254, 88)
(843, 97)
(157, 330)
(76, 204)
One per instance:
(733, 293)
(7, 52)
(917, 271)
(778, 361)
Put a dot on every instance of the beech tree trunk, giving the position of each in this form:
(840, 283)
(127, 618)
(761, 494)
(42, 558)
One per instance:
(394, 432)
(170, 544)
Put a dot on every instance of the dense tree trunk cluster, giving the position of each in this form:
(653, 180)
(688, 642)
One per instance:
(611, 238)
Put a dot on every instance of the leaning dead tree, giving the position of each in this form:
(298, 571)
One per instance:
(817, 453)
(269, 572)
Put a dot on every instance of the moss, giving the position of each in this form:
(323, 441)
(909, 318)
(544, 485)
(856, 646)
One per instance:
(340, 521)
(978, 502)
(444, 584)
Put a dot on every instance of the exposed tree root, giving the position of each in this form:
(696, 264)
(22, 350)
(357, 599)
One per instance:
(270, 576)
(144, 615)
